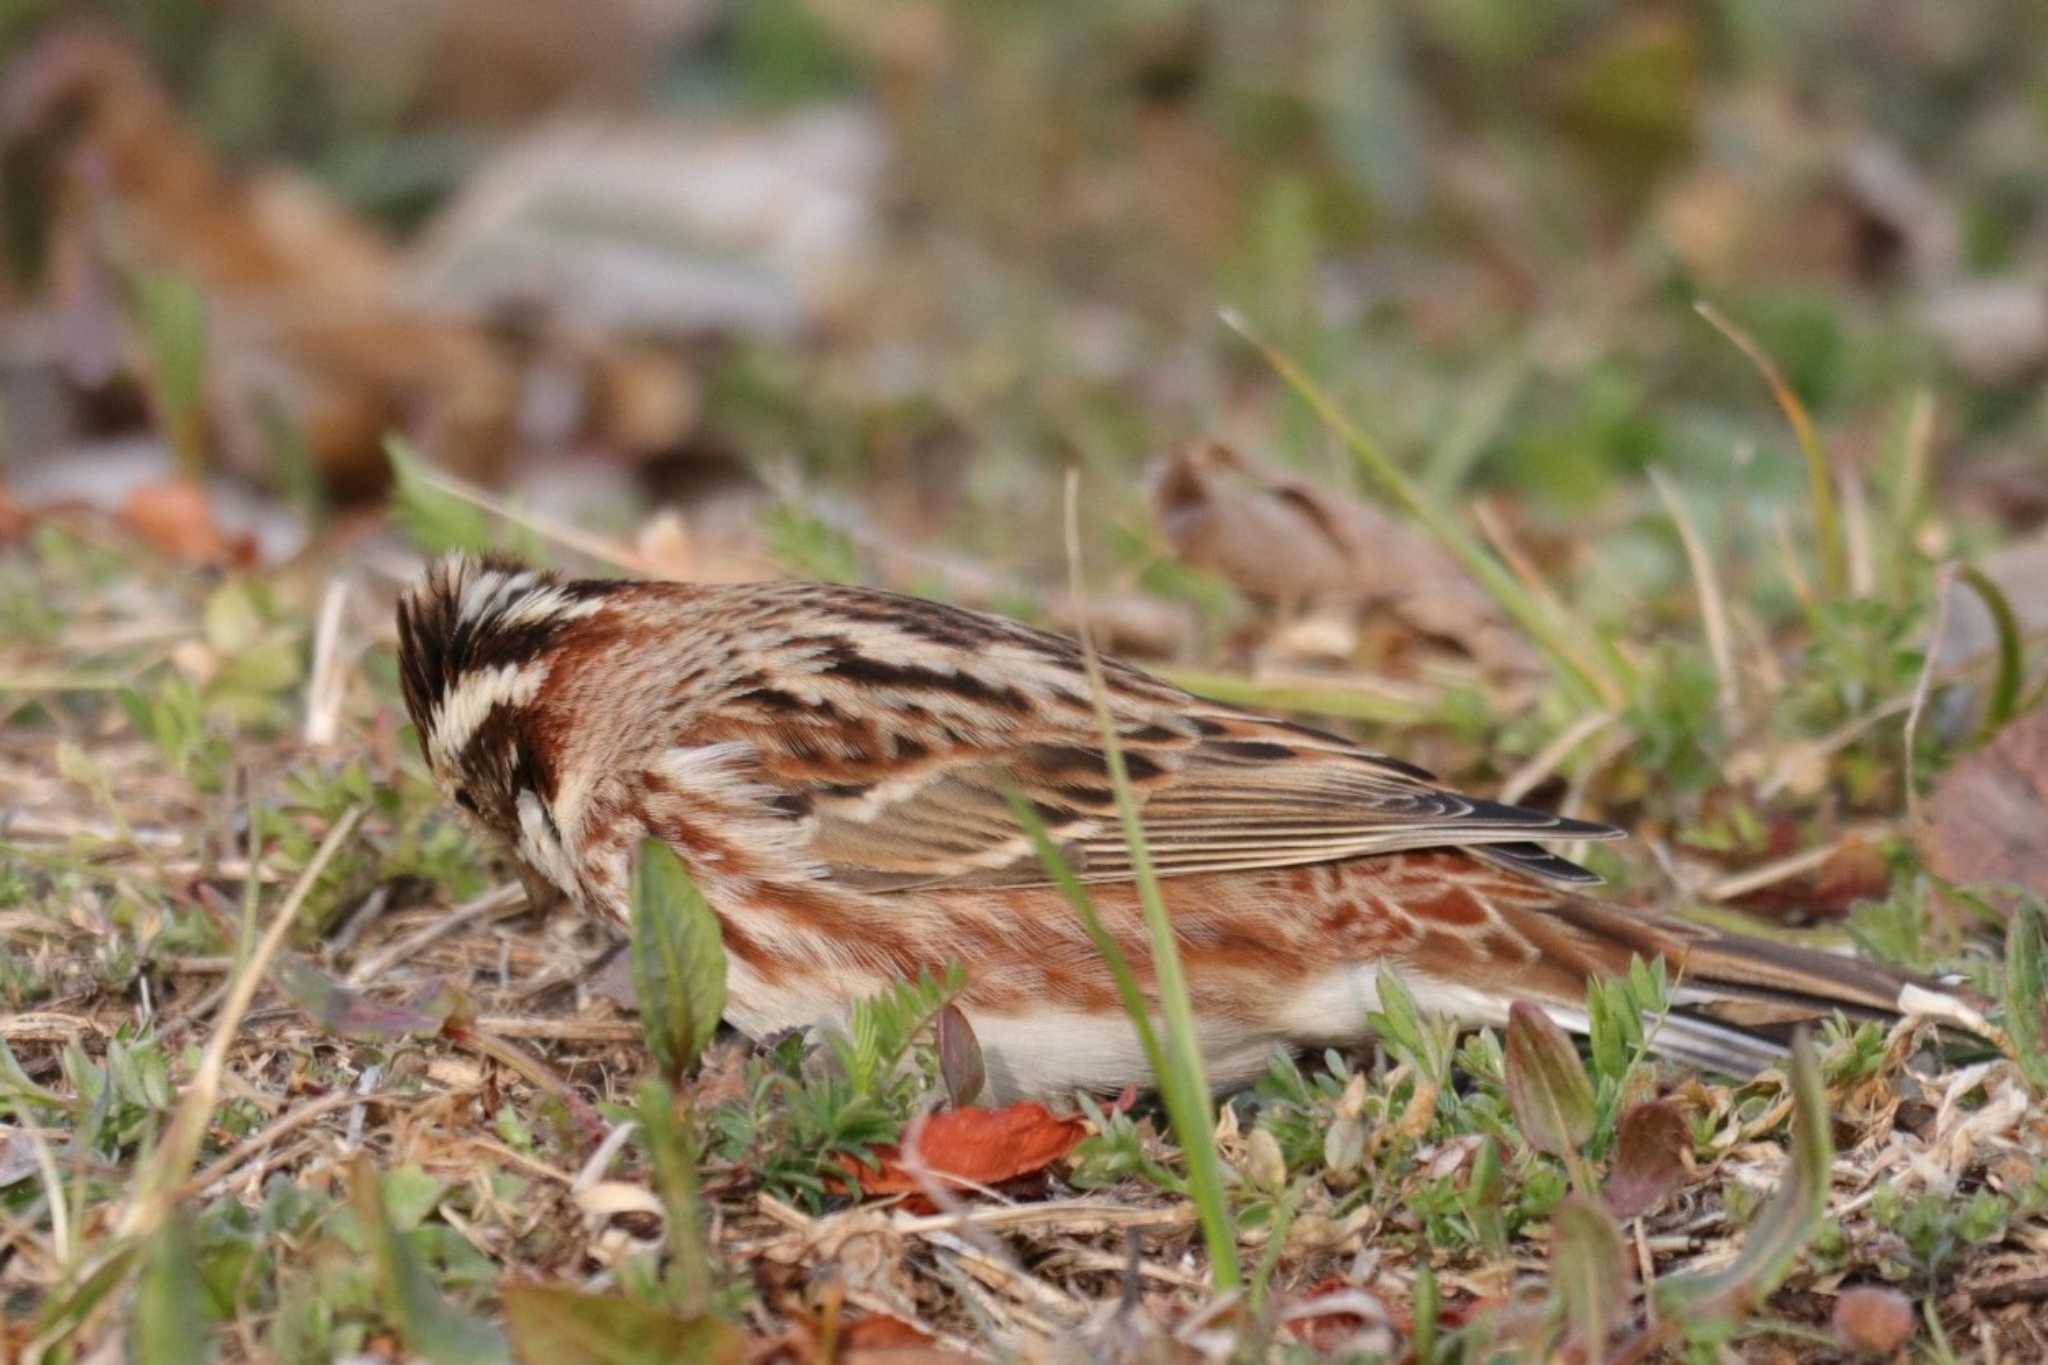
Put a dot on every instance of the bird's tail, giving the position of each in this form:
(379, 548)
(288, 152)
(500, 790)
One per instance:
(1736, 997)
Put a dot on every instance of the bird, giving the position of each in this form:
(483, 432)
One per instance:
(835, 768)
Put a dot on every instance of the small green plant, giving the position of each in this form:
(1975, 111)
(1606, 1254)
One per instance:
(172, 717)
(807, 1112)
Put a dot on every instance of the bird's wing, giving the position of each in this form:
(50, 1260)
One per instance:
(896, 730)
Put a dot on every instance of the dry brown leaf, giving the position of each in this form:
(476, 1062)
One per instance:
(1286, 541)
(1334, 1313)
(1986, 821)
(1855, 871)
(1131, 624)
(1652, 1157)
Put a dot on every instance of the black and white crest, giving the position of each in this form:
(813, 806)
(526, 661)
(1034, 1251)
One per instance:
(473, 636)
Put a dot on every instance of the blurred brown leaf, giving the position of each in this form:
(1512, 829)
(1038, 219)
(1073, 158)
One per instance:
(492, 61)
(349, 1014)
(1352, 1312)
(1131, 623)
(14, 518)
(306, 312)
(1986, 822)
(1288, 542)
(1855, 871)
(960, 1060)
(1996, 331)
(1653, 1155)
(176, 517)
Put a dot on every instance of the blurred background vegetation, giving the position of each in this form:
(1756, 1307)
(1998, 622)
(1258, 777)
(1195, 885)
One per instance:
(1482, 226)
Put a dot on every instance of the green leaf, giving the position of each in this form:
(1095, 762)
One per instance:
(1485, 1199)
(2026, 995)
(550, 1325)
(1589, 1272)
(678, 959)
(429, 1325)
(1547, 1084)
(1398, 1021)
(16, 1083)
(69, 1311)
(410, 1195)
(170, 1325)
(436, 519)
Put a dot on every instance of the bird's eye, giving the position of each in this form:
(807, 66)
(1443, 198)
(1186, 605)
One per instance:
(465, 800)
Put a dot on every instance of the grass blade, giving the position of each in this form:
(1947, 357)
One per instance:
(173, 313)
(1582, 676)
(1183, 1082)
(2026, 996)
(1820, 477)
(1062, 874)
(2005, 687)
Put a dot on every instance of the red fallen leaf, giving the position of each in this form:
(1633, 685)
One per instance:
(973, 1147)
(880, 1331)
(176, 517)
(873, 1339)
